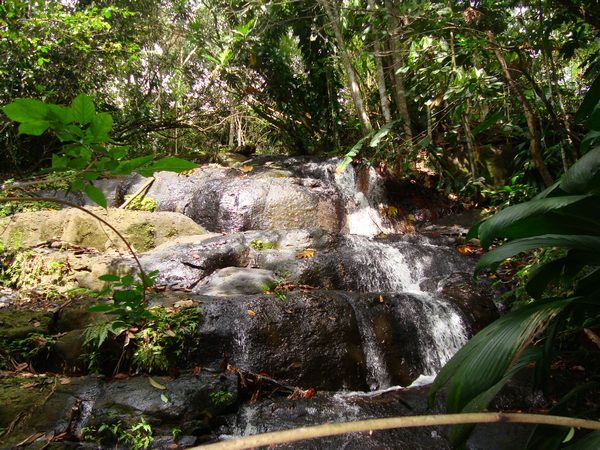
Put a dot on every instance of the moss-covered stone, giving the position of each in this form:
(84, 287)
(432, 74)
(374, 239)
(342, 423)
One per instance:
(142, 236)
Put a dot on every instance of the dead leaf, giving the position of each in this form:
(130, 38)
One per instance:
(170, 333)
(156, 384)
(251, 313)
(21, 367)
(304, 254)
(173, 446)
(65, 380)
(121, 376)
(381, 299)
(27, 385)
(196, 370)
(36, 324)
(309, 393)
(184, 304)
(332, 318)
(246, 169)
(389, 211)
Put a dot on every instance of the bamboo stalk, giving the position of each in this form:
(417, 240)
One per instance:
(334, 429)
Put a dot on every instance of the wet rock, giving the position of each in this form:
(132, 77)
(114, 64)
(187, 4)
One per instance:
(475, 299)
(191, 403)
(238, 281)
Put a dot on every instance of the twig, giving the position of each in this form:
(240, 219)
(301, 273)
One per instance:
(335, 429)
(137, 193)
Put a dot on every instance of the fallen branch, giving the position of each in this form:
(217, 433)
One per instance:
(136, 194)
(335, 429)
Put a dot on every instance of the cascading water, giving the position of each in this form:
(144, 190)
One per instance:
(394, 267)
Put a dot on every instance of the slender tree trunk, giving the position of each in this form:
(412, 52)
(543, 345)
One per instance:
(383, 97)
(534, 145)
(399, 91)
(334, 20)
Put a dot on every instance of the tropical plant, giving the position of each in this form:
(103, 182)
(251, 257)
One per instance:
(565, 216)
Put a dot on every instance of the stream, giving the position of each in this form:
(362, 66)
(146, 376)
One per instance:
(369, 309)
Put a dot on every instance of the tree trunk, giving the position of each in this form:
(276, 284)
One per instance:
(399, 91)
(383, 97)
(334, 20)
(534, 145)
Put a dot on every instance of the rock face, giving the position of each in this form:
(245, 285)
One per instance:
(302, 275)
(143, 230)
(79, 407)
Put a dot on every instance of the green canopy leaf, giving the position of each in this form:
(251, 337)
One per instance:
(26, 110)
(170, 164)
(83, 109)
(95, 195)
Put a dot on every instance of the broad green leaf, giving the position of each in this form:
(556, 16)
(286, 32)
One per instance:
(381, 133)
(34, 127)
(101, 307)
(170, 164)
(60, 114)
(484, 360)
(584, 176)
(25, 110)
(118, 152)
(591, 99)
(95, 195)
(588, 442)
(83, 109)
(514, 221)
(512, 248)
(460, 433)
(126, 167)
(69, 133)
(126, 296)
(547, 437)
(100, 126)
(348, 157)
(108, 277)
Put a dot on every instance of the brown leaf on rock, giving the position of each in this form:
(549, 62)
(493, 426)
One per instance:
(251, 313)
(305, 254)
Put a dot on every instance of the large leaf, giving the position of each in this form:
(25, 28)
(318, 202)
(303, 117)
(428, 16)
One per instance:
(588, 442)
(591, 99)
(514, 220)
(96, 195)
(100, 126)
(381, 133)
(512, 248)
(584, 176)
(83, 109)
(170, 164)
(547, 437)
(484, 360)
(26, 110)
(460, 433)
(34, 127)
(348, 157)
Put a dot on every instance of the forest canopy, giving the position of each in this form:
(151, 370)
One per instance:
(476, 93)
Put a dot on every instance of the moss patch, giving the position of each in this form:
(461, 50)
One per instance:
(142, 203)
(142, 236)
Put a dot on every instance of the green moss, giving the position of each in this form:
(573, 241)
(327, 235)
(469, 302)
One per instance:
(15, 237)
(142, 203)
(10, 208)
(142, 236)
(257, 244)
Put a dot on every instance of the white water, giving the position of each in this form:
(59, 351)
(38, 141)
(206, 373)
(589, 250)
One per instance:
(396, 268)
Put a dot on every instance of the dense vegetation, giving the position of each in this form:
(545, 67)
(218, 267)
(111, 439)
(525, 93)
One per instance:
(479, 93)
(494, 101)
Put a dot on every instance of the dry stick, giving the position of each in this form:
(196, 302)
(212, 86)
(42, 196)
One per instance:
(87, 211)
(136, 194)
(334, 429)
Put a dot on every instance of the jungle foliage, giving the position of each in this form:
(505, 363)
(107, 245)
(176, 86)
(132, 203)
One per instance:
(473, 93)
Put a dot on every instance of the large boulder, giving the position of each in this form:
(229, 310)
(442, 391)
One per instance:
(143, 230)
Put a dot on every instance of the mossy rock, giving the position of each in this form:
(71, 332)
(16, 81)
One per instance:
(145, 230)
